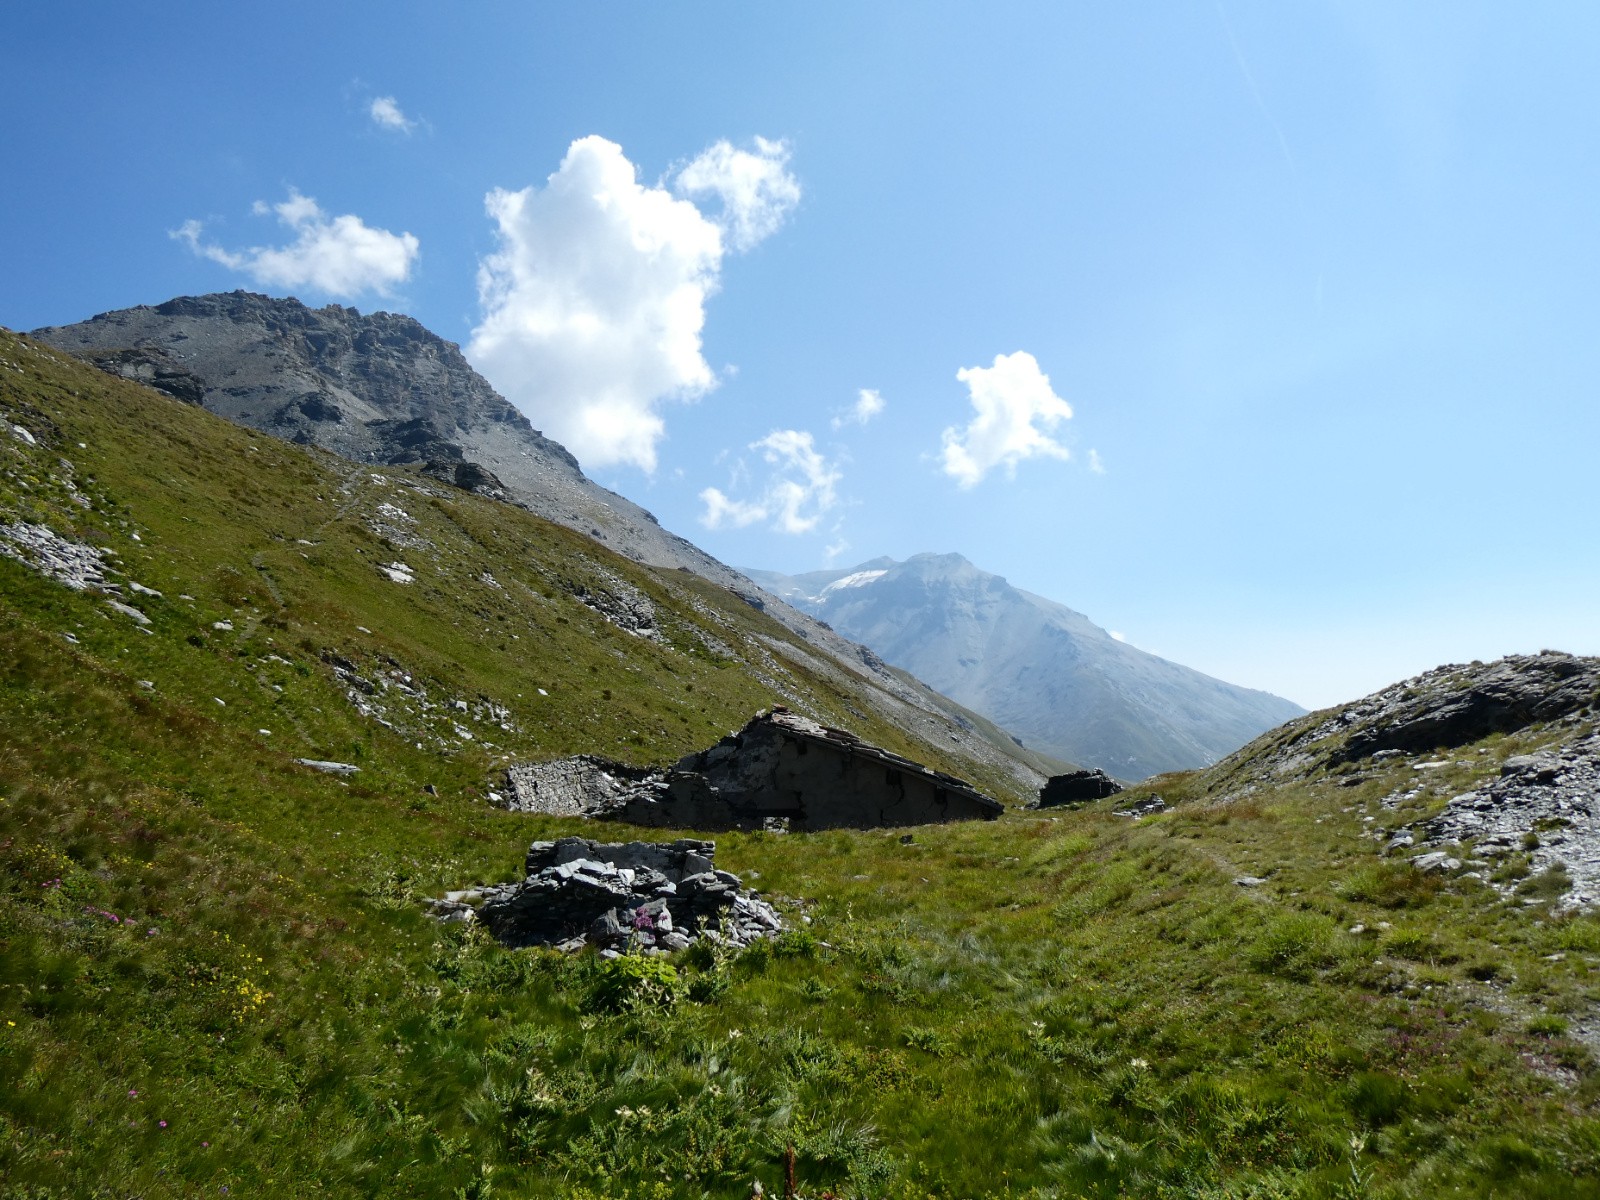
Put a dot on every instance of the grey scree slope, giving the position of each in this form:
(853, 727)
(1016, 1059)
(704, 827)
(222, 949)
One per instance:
(382, 389)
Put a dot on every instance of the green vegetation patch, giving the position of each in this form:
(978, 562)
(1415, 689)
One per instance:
(215, 972)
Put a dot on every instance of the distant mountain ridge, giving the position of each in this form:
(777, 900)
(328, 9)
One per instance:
(1037, 668)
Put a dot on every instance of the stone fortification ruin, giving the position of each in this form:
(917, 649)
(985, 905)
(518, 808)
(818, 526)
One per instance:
(780, 772)
(1077, 787)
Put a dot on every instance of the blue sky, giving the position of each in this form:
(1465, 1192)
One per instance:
(1316, 282)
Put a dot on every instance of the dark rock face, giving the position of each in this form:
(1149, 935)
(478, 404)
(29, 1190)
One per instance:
(780, 772)
(1452, 706)
(154, 367)
(467, 476)
(651, 896)
(1077, 787)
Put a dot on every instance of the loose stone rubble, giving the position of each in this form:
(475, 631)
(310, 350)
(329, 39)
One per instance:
(78, 566)
(1147, 807)
(1546, 804)
(780, 772)
(572, 787)
(619, 602)
(647, 897)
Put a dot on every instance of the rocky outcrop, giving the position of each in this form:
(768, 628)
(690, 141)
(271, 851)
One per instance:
(1077, 787)
(1452, 706)
(780, 772)
(153, 367)
(652, 897)
(80, 567)
(1543, 806)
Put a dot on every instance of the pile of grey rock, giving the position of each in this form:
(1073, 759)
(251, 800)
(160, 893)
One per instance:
(647, 897)
(1148, 807)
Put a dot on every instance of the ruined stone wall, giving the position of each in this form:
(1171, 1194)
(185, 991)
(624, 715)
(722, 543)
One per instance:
(779, 772)
(568, 787)
(833, 788)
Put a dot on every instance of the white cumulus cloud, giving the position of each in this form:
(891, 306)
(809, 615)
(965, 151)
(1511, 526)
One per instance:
(755, 187)
(799, 492)
(1014, 412)
(342, 256)
(868, 405)
(594, 303)
(387, 113)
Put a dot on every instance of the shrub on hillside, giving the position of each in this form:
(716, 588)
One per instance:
(1294, 945)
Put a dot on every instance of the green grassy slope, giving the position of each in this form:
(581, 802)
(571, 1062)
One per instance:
(214, 972)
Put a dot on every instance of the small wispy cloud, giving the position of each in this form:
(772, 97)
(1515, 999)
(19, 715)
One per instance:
(868, 405)
(386, 112)
(799, 492)
(342, 256)
(1014, 413)
(755, 187)
(1116, 636)
(1095, 465)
